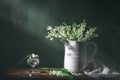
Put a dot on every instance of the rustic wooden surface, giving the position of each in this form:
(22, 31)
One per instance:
(23, 74)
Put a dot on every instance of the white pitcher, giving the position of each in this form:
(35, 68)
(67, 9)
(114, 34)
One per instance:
(75, 58)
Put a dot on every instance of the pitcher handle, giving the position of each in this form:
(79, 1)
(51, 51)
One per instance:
(94, 52)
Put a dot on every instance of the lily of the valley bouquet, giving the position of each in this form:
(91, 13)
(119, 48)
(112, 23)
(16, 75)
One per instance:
(75, 32)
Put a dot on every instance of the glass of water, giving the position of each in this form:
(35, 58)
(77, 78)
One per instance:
(33, 61)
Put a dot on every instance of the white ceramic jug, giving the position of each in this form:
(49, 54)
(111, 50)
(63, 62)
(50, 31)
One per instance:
(75, 58)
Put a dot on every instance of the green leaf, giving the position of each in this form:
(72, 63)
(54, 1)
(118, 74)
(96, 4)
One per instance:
(64, 24)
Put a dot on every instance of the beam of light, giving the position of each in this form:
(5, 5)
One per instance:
(31, 18)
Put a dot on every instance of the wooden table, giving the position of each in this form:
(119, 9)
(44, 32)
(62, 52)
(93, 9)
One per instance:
(23, 74)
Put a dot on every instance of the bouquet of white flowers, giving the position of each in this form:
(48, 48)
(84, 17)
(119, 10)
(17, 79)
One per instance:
(75, 32)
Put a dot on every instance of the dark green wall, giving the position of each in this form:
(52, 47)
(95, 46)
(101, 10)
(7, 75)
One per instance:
(23, 26)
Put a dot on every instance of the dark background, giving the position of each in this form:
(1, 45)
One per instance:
(23, 26)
